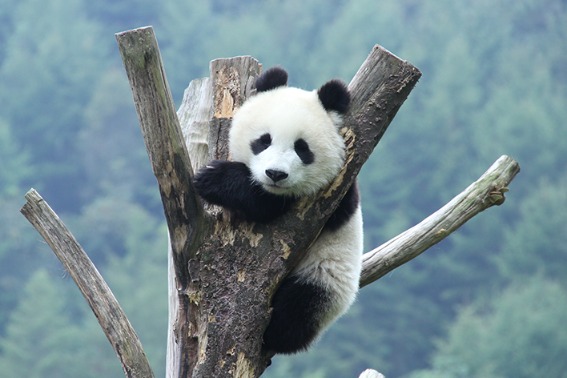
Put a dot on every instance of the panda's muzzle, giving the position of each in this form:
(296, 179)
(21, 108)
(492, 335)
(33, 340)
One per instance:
(276, 175)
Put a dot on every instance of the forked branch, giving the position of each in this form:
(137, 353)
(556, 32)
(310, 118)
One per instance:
(164, 141)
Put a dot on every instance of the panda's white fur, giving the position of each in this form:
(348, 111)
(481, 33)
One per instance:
(288, 113)
(285, 144)
(334, 262)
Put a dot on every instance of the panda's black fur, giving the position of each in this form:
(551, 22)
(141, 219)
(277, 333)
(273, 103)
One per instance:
(285, 144)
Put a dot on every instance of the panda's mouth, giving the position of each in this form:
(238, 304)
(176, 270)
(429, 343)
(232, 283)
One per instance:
(275, 188)
(273, 185)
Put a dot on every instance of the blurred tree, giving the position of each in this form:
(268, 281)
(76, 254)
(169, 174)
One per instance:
(111, 226)
(17, 250)
(52, 332)
(41, 340)
(519, 333)
(117, 16)
(15, 168)
(52, 59)
(20, 256)
(6, 24)
(186, 33)
(536, 243)
(113, 158)
(342, 43)
(139, 282)
(263, 29)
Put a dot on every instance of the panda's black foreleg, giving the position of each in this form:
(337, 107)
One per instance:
(229, 184)
(295, 321)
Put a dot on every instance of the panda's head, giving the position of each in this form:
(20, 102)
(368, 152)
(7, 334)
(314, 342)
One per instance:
(289, 137)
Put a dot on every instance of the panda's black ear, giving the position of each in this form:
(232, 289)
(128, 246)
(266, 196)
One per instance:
(270, 79)
(334, 96)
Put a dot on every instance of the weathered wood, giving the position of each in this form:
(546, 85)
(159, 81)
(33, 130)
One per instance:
(171, 165)
(230, 307)
(195, 113)
(486, 192)
(164, 142)
(232, 80)
(106, 308)
(194, 116)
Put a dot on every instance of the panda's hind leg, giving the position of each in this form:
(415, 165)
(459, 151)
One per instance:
(295, 321)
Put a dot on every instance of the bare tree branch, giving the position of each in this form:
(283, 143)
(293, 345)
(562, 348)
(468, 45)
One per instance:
(187, 222)
(106, 308)
(164, 141)
(487, 191)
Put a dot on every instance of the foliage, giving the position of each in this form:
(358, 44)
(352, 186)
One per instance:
(531, 249)
(494, 82)
(15, 169)
(518, 333)
(43, 341)
(45, 79)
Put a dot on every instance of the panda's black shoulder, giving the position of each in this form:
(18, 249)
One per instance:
(345, 210)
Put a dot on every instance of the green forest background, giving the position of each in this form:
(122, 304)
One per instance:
(490, 301)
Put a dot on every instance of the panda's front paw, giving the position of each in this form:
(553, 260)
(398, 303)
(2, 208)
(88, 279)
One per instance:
(217, 181)
(212, 171)
(209, 178)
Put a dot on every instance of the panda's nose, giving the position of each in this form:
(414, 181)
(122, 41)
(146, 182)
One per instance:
(276, 175)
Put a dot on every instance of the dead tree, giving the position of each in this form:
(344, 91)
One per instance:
(222, 273)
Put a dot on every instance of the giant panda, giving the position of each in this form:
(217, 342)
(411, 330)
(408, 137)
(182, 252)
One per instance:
(285, 144)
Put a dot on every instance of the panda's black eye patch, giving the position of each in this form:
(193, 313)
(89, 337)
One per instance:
(260, 144)
(302, 150)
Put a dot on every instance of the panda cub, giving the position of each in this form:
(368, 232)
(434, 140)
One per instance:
(285, 144)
